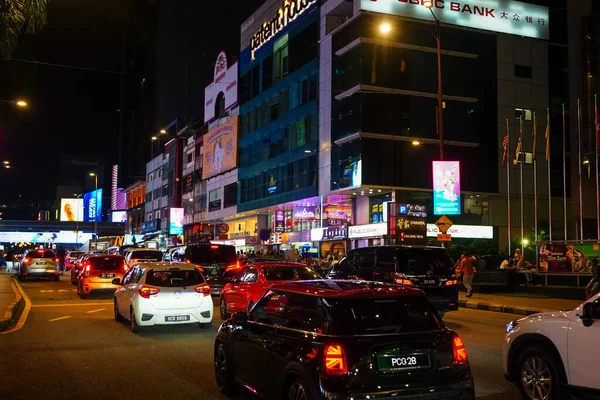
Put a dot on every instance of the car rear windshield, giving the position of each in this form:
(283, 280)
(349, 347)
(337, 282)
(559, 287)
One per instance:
(286, 273)
(423, 261)
(174, 278)
(146, 255)
(75, 254)
(41, 254)
(107, 263)
(382, 315)
(212, 254)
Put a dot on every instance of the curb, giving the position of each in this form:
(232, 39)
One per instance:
(11, 312)
(478, 305)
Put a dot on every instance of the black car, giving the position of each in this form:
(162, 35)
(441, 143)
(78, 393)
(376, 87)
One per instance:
(214, 260)
(327, 339)
(427, 268)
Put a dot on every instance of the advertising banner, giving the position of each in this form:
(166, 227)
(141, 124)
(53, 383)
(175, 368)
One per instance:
(220, 149)
(176, 221)
(505, 16)
(92, 206)
(71, 210)
(304, 213)
(119, 216)
(45, 237)
(446, 187)
(279, 220)
(568, 258)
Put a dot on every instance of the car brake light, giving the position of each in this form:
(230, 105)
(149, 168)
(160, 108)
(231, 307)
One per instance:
(125, 267)
(459, 352)
(86, 271)
(56, 260)
(199, 267)
(26, 260)
(334, 360)
(204, 289)
(233, 266)
(404, 282)
(214, 246)
(187, 261)
(147, 291)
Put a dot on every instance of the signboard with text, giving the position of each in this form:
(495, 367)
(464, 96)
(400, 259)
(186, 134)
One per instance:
(176, 221)
(367, 231)
(568, 258)
(504, 16)
(446, 187)
(92, 206)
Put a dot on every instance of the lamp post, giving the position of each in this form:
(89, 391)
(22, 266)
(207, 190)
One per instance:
(96, 212)
(440, 107)
(18, 103)
(154, 139)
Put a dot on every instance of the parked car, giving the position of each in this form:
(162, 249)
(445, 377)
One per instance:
(98, 273)
(251, 281)
(159, 293)
(330, 339)
(427, 268)
(40, 263)
(213, 260)
(553, 355)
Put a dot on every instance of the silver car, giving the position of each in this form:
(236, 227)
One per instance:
(39, 264)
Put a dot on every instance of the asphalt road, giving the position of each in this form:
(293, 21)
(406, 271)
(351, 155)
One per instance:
(73, 349)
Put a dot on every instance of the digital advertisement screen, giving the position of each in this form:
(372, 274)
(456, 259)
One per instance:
(92, 206)
(176, 221)
(119, 216)
(446, 187)
(71, 210)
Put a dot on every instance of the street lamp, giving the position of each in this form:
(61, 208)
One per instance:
(18, 103)
(385, 28)
(440, 107)
(163, 131)
(154, 138)
(96, 209)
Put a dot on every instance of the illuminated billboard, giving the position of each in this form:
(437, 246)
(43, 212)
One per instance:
(92, 206)
(71, 210)
(119, 216)
(176, 221)
(446, 187)
(220, 149)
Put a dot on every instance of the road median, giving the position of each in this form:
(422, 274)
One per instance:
(514, 304)
(12, 302)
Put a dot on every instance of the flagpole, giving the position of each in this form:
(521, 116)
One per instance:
(521, 184)
(579, 169)
(564, 154)
(508, 183)
(549, 185)
(535, 203)
(596, 122)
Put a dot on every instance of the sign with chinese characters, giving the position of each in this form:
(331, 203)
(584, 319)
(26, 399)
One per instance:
(220, 149)
(176, 221)
(289, 11)
(224, 83)
(367, 231)
(446, 187)
(411, 224)
(304, 213)
(504, 16)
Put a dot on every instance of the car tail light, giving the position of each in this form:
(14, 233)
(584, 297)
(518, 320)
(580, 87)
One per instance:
(199, 267)
(204, 289)
(125, 267)
(187, 261)
(334, 360)
(56, 260)
(147, 291)
(26, 260)
(451, 282)
(214, 246)
(459, 352)
(404, 282)
(86, 271)
(233, 266)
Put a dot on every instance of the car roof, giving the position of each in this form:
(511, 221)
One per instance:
(346, 288)
(276, 264)
(167, 265)
(403, 246)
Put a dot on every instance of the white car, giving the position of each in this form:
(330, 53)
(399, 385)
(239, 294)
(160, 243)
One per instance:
(143, 256)
(554, 355)
(161, 293)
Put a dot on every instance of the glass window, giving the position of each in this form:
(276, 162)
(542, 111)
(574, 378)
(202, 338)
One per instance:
(524, 113)
(174, 278)
(255, 81)
(107, 263)
(291, 310)
(230, 195)
(214, 194)
(251, 275)
(41, 254)
(421, 261)
(128, 275)
(523, 71)
(364, 258)
(286, 273)
(267, 73)
(148, 255)
(237, 277)
(244, 87)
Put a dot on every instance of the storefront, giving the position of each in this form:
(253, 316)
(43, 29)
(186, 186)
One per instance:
(332, 240)
(367, 235)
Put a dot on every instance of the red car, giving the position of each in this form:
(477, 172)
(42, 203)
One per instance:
(253, 279)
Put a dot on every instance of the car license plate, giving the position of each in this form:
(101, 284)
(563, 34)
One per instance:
(429, 282)
(107, 275)
(177, 318)
(394, 363)
(40, 263)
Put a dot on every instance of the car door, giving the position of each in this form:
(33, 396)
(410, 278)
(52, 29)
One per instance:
(246, 286)
(584, 352)
(232, 292)
(122, 293)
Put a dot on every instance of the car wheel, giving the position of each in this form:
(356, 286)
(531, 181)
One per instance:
(118, 316)
(540, 376)
(223, 373)
(297, 389)
(205, 325)
(56, 278)
(133, 325)
(250, 304)
(223, 309)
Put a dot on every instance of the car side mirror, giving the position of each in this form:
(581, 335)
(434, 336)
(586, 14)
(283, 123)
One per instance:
(116, 281)
(587, 314)
(240, 318)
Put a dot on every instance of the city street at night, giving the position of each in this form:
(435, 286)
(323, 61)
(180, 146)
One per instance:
(70, 348)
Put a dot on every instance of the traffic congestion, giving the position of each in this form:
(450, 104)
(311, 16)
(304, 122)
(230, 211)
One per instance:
(371, 327)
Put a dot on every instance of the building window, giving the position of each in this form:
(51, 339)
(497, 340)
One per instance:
(160, 172)
(149, 197)
(522, 71)
(524, 113)
(525, 158)
(157, 214)
(165, 190)
(149, 217)
(190, 157)
(150, 177)
(214, 200)
(280, 59)
(230, 195)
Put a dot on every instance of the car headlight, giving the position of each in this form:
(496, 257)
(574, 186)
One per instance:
(511, 325)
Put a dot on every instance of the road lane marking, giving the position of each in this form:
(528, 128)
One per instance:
(47, 291)
(70, 305)
(59, 318)
(25, 312)
(62, 290)
(93, 311)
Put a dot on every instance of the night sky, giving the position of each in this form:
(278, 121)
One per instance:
(76, 111)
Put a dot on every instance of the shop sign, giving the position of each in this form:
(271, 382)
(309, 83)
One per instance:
(272, 187)
(329, 233)
(412, 210)
(299, 237)
(405, 223)
(412, 238)
(463, 231)
(279, 220)
(251, 240)
(220, 149)
(214, 205)
(289, 11)
(176, 221)
(304, 213)
(367, 231)
(568, 258)
(505, 16)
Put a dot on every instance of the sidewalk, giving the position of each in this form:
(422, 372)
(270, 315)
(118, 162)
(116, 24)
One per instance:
(10, 301)
(515, 305)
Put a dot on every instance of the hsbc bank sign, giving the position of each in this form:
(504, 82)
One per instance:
(505, 16)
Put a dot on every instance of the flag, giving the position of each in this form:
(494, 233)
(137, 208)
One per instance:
(519, 145)
(534, 135)
(547, 136)
(505, 153)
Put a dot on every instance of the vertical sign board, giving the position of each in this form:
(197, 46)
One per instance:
(408, 224)
(446, 187)
(92, 205)
(176, 221)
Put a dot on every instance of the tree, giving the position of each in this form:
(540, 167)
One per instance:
(18, 18)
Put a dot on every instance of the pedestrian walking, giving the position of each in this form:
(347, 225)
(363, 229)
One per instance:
(467, 270)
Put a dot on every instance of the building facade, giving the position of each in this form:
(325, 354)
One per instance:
(136, 213)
